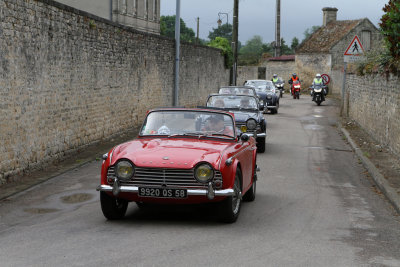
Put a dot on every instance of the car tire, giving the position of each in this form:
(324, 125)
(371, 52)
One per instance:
(113, 208)
(251, 194)
(261, 145)
(230, 206)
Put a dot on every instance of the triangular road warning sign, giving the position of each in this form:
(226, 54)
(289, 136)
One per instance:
(355, 48)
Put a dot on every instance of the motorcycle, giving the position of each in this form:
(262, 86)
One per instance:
(318, 93)
(279, 85)
(296, 88)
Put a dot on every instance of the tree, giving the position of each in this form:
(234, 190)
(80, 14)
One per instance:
(295, 44)
(390, 25)
(224, 31)
(285, 49)
(225, 46)
(167, 28)
(251, 52)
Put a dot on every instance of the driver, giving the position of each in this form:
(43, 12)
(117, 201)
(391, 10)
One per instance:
(245, 103)
(219, 103)
(216, 124)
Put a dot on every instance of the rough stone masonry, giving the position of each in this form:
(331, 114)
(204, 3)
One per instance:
(69, 79)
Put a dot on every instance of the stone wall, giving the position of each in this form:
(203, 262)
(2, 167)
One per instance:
(308, 65)
(374, 103)
(69, 79)
(284, 69)
(245, 73)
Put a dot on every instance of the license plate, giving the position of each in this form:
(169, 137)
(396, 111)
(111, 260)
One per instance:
(162, 192)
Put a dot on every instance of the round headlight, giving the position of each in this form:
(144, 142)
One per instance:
(251, 124)
(204, 173)
(124, 170)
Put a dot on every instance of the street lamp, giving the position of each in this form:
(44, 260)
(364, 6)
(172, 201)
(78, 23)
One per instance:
(219, 21)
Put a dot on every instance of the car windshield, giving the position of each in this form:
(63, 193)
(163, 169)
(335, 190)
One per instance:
(256, 83)
(188, 123)
(232, 102)
(262, 86)
(236, 90)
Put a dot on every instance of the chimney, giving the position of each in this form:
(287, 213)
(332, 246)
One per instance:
(330, 14)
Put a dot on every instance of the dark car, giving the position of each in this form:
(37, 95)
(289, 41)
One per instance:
(248, 117)
(267, 93)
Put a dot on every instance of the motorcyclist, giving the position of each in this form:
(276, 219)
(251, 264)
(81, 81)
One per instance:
(317, 81)
(275, 78)
(292, 79)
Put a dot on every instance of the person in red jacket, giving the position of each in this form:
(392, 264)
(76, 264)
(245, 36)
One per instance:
(292, 79)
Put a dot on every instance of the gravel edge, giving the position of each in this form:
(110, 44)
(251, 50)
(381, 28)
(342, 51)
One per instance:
(378, 178)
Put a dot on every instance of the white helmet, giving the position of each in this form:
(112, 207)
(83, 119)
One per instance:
(318, 75)
(275, 75)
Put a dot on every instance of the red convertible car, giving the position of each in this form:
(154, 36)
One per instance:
(181, 156)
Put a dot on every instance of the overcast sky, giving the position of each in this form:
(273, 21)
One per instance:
(257, 17)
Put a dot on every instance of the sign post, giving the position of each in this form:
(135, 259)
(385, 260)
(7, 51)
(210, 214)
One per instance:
(353, 53)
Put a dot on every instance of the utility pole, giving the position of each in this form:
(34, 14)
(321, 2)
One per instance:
(197, 38)
(278, 29)
(177, 47)
(235, 35)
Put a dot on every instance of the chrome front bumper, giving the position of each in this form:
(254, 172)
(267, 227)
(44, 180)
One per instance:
(190, 192)
(256, 135)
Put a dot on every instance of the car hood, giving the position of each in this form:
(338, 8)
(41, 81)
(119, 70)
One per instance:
(243, 116)
(182, 153)
(263, 95)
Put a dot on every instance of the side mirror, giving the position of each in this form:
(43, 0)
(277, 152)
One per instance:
(244, 137)
(261, 106)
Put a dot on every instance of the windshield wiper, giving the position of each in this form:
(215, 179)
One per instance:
(188, 134)
(221, 134)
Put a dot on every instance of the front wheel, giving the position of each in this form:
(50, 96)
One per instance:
(230, 207)
(112, 208)
(251, 194)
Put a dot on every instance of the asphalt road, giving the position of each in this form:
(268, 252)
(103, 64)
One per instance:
(315, 206)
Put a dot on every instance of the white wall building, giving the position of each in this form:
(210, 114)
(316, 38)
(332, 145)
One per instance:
(143, 15)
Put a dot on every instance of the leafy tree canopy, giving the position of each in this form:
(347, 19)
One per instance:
(285, 49)
(225, 45)
(390, 25)
(295, 44)
(251, 52)
(167, 28)
(225, 31)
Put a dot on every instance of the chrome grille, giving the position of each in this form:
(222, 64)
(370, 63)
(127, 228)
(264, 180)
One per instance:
(159, 176)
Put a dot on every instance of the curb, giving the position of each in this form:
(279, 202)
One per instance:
(380, 181)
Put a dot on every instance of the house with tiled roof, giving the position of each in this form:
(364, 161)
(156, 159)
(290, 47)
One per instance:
(323, 51)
